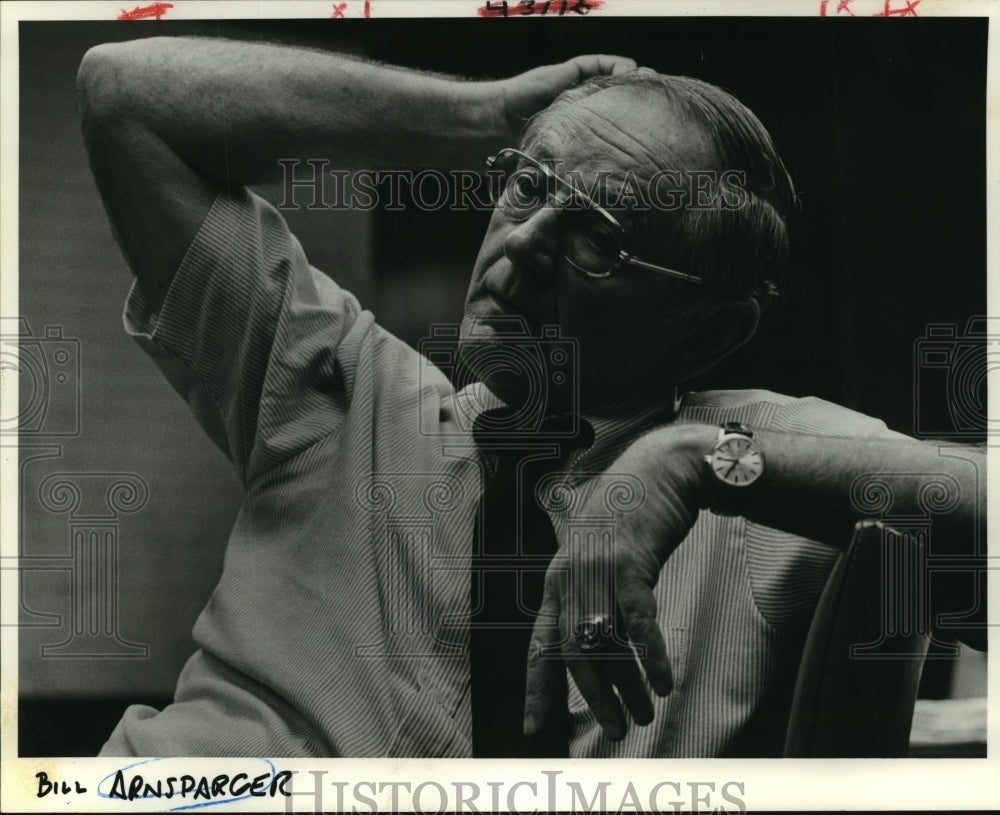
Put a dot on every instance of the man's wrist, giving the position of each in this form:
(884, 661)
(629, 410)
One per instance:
(490, 115)
(737, 466)
(682, 448)
(697, 440)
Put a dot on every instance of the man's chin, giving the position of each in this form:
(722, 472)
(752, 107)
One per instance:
(529, 373)
(509, 370)
(515, 374)
(514, 393)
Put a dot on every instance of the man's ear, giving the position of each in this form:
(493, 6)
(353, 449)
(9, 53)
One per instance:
(724, 327)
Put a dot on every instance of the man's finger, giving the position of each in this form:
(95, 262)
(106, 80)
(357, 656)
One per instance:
(612, 655)
(595, 687)
(590, 65)
(624, 673)
(623, 65)
(545, 683)
(638, 606)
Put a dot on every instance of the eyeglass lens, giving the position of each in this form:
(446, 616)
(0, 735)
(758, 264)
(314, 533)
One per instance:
(592, 242)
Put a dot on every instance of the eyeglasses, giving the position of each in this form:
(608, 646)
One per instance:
(594, 239)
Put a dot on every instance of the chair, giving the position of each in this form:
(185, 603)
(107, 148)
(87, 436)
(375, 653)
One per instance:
(864, 653)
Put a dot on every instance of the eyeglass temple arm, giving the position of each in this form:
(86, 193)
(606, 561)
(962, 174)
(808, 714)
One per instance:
(625, 257)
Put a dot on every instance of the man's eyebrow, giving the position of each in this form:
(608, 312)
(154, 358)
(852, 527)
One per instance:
(540, 148)
(604, 185)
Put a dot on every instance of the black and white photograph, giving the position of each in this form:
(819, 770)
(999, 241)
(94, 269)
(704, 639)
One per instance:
(451, 406)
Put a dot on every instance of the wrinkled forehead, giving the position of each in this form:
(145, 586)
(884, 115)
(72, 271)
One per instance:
(632, 150)
(620, 130)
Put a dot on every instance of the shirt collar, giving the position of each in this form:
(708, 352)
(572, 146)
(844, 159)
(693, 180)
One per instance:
(615, 425)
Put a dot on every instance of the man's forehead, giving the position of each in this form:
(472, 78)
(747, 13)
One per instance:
(623, 129)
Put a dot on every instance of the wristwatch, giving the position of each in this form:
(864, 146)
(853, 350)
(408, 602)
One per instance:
(737, 461)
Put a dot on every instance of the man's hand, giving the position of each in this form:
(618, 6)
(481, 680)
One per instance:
(526, 94)
(810, 489)
(594, 578)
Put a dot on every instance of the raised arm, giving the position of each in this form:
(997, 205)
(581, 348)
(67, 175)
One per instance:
(168, 123)
(814, 486)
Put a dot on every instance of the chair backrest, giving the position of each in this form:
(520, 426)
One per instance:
(864, 653)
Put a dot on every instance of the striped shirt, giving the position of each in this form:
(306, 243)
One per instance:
(336, 628)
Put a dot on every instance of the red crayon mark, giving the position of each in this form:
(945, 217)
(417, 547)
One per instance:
(156, 11)
(368, 8)
(338, 9)
(541, 8)
(842, 5)
(909, 10)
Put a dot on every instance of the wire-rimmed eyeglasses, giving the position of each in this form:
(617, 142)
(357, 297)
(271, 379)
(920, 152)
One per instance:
(594, 239)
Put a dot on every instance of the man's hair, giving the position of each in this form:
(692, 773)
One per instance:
(741, 251)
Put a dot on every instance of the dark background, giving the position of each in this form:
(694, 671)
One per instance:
(880, 122)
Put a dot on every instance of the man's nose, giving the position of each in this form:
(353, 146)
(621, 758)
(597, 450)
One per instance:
(533, 246)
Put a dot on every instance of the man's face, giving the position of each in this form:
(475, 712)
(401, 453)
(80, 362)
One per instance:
(626, 325)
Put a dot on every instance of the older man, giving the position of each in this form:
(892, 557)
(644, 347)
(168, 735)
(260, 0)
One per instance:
(341, 624)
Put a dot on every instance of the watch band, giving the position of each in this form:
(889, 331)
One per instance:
(733, 427)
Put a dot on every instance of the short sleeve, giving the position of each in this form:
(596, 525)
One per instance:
(818, 417)
(259, 344)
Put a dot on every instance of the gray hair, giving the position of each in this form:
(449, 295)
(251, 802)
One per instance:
(741, 251)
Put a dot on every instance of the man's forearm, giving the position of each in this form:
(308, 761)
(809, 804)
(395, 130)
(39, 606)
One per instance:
(816, 487)
(819, 486)
(232, 109)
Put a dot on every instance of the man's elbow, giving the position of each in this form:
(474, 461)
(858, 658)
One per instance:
(105, 85)
(95, 81)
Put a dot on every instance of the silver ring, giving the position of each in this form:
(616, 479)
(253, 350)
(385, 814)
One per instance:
(593, 632)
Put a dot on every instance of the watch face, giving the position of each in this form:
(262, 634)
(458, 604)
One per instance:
(738, 461)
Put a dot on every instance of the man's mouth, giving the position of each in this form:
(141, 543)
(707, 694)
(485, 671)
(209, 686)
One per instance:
(506, 322)
(495, 307)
